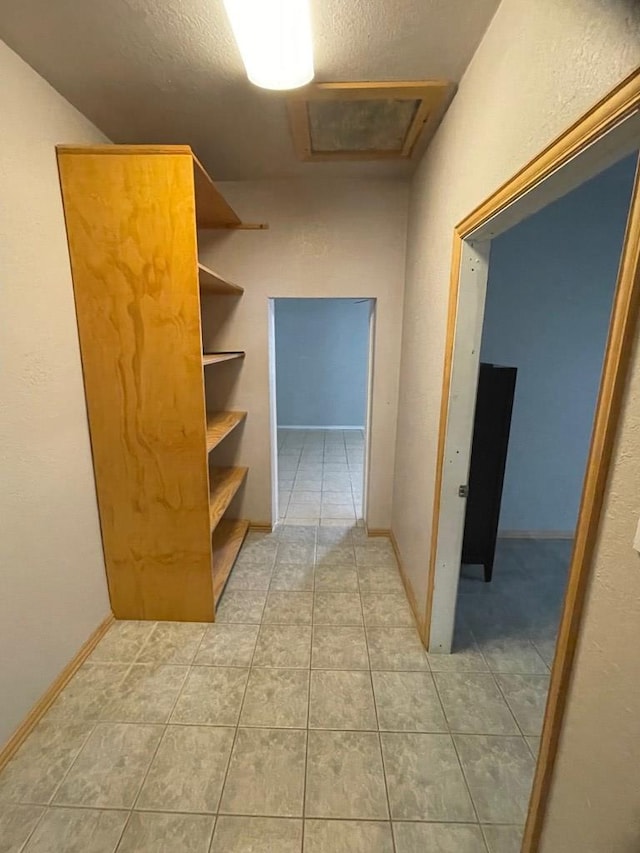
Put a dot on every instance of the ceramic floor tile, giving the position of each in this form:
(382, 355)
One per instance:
(337, 608)
(347, 836)
(241, 606)
(287, 646)
(438, 838)
(534, 746)
(407, 702)
(292, 578)
(77, 831)
(339, 648)
(34, 773)
(512, 655)
(110, 768)
(379, 579)
(17, 822)
(149, 832)
(527, 698)
(172, 642)
(266, 773)
(257, 835)
(297, 533)
(211, 696)
(424, 778)
(253, 577)
(473, 703)
(499, 771)
(276, 698)
(341, 700)
(396, 649)
(228, 645)
(336, 579)
(147, 694)
(387, 610)
(122, 642)
(89, 694)
(345, 777)
(288, 608)
(188, 770)
(503, 839)
(465, 655)
(335, 555)
(295, 553)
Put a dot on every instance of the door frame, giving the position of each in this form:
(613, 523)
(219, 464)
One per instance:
(600, 134)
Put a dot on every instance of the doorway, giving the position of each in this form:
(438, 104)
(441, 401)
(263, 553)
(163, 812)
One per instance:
(320, 371)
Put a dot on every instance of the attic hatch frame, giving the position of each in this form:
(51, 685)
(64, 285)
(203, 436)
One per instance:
(600, 133)
(432, 100)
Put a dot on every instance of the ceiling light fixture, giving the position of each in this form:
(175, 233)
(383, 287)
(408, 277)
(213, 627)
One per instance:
(274, 39)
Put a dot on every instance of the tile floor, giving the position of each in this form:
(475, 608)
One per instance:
(307, 718)
(320, 476)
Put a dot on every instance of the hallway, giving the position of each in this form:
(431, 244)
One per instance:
(307, 718)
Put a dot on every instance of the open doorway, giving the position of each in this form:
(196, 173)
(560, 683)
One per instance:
(509, 760)
(320, 402)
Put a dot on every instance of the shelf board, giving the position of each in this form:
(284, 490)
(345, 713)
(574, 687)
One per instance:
(217, 357)
(226, 542)
(211, 282)
(212, 209)
(223, 485)
(220, 424)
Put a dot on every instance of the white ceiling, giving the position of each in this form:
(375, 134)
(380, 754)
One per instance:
(168, 71)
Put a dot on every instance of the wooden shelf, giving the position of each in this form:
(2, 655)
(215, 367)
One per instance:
(223, 485)
(226, 542)
(217, 357)
(220, 424)
(212, 209)
(211, 282)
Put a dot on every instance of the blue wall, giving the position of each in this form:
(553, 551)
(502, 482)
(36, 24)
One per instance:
(322, 350)
(551, 284)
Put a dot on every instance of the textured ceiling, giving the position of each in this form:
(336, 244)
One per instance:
(168, 71)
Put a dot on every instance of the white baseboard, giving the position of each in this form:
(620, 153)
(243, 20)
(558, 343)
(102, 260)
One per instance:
(535, 534)
(312, 426)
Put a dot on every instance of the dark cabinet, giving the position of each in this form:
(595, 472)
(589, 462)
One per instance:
(492, 422)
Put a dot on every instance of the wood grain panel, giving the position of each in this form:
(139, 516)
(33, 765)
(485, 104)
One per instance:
(132, 241)
(226, 543)
(223, 485)
(220, 424)
(217, 357)
(211, 282)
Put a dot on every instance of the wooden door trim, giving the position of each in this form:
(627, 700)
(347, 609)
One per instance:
(618, 105)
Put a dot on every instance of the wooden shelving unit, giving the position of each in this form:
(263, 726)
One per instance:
(211, 282)
(132, 214)
(220, 424)
(217, 357)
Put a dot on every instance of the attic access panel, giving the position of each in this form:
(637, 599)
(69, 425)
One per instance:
(365, 121)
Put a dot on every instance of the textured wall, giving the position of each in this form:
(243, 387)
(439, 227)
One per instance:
(54, 591)
(325, 238)
(539, 67)
(549, 294)
(322, 355)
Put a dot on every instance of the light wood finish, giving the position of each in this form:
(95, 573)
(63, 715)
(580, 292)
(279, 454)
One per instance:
(217, 357)
(224, 483)
(212, 210)
(434, 97)
(52, 692)
(622, 102)
(227, 540)
(261, 526)
(211, 282)
(132, 237)
(220, 424)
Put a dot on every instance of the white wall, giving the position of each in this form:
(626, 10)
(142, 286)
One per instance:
(325, 238)
(549, 296)
(322, 350)
(539, 68)
(52, 580)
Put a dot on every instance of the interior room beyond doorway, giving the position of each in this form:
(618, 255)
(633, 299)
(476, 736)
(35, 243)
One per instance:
(322, 365)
